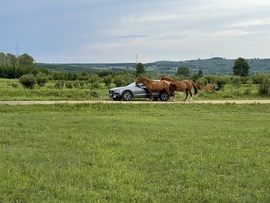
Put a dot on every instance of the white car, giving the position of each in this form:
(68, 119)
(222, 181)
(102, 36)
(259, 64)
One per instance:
(135, 91)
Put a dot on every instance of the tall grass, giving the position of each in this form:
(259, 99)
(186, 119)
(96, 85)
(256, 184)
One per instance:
(12, 90)
(135, 153)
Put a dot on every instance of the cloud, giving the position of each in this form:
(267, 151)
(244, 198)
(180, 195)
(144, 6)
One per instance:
(115, 31)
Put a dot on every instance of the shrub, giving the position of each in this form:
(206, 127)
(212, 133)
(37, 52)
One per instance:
(69, 85)
(59, 85)
(221, 81)
(236, 81)
(107, 80)
(119, 80)
(210, 78)
(42, 79)
(263, 80)
(28, 81)
(76, 84)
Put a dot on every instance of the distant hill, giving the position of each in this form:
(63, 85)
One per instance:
(215, 65)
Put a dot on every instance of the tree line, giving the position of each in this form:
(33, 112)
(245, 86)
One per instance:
(23, 68)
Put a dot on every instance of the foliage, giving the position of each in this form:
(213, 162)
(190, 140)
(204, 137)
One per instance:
(183, 71)
(197, 76)
(94, 81)
(42, 79)
(28, 81)
(241, 67)
(119, 80)
(210, 78)
(263, 80)
(214, 66)
(140, 70)
(135, 153)
(68, 84)
(221, 81)
(236, 81)
(108, 80)
(59, 84)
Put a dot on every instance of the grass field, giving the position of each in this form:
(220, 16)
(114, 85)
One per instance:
(135, 153)
(49, 92)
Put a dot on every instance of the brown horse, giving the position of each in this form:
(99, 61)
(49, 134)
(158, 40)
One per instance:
(206, 87)
(183, 85)
(157, 86)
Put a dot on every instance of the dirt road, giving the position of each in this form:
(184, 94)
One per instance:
(137, 102)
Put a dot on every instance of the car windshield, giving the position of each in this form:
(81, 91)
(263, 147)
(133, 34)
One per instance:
(134, 84)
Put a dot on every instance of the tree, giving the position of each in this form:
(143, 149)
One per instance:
(241, 67)
(183, 71)
(28, 81)
(2, 58)
(11, 60)
(25, 59)
(140, 70)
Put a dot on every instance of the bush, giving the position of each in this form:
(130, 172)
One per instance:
(107, 80)
(119, 80)
(69, 85)
(236, 81)
(263, 80)
(42, 79)
(210, 78)
(59, 85)
(28, 81)
(221, 81)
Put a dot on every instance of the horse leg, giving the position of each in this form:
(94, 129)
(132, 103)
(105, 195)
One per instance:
(174, 96)
(186, 91)
(190, 93)
(170, 96)
(150, 95)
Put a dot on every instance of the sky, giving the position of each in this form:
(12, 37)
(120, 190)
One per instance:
(123, 31)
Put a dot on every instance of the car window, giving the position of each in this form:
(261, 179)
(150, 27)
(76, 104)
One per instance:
(141, 85)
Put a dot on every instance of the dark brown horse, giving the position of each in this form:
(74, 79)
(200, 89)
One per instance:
(157, 86)
(183, 85)
(206, 87)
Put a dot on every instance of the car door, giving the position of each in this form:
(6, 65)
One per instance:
(140, 91)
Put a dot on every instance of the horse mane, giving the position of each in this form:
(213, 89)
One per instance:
(167, 78)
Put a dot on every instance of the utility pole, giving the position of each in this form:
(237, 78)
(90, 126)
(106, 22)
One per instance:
(17, 49)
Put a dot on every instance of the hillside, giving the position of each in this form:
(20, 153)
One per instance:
(215, 65)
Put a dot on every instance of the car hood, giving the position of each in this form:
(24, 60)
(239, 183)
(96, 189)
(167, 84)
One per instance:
(117, 88)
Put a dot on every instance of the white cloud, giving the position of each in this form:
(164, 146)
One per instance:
(115, 31)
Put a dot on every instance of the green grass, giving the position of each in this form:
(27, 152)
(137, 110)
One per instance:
(49, 92)
(135, 153)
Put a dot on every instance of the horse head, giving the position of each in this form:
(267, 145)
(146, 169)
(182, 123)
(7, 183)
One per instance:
(140, 79)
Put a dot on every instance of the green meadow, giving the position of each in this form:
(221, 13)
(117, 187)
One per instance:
(135, 153)
(11, 89)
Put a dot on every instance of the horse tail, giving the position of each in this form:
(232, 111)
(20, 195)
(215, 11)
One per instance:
(195, 88)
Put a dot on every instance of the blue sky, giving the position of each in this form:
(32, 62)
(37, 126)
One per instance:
(115, 31)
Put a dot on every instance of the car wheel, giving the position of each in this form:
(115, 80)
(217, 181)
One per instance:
(164, 96)
(127, 95)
